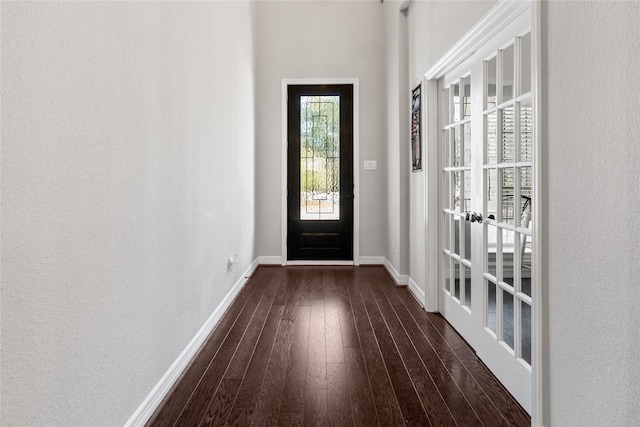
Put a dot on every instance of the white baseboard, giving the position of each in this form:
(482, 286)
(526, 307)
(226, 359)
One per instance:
(372, 260)
(158, 393)
(418, 293)
(404, 280)
(270, 260)
(400, 279)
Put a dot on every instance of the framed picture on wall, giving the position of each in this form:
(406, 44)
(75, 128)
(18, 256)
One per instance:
(416, 129)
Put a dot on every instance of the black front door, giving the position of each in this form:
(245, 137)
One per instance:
(320, 172)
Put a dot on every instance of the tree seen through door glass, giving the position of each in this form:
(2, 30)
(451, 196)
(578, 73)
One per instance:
(319, 158)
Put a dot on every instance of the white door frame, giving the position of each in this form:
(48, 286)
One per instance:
(356, 171)
(493, 22)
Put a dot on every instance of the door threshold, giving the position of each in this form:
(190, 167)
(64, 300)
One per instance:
(312, 262)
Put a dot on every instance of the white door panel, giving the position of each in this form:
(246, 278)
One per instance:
(486, 187)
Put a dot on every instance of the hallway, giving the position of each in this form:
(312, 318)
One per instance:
(334, 346)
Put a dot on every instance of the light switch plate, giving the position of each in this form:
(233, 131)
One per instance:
(370, 165)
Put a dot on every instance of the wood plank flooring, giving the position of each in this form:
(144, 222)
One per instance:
(334, 346)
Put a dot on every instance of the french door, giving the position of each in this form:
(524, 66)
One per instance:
(486, 183)
(320, 172)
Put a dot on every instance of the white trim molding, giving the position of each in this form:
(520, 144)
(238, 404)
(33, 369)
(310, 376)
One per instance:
(372, 260)
(417, 292)
(400, 279)
(356, 158)
(538, 362)
(153, 400)
(270, 260)
(495, 20)
(432, 199)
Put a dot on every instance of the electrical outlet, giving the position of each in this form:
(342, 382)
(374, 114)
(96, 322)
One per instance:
(233, 260)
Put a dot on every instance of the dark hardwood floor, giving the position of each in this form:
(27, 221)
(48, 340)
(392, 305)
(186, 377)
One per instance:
(335, 346)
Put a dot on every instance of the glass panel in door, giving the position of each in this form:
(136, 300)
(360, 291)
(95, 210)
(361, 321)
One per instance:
(508, 197)
(319, 158)
(457, 192)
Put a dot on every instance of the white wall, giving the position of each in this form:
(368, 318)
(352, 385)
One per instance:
(591, 61)
(398, 154)
(321, 39)
(127, 182)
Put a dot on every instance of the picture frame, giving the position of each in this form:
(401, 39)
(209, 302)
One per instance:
(416, 128)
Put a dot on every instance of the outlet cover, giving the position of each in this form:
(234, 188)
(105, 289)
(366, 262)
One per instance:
(370, 165)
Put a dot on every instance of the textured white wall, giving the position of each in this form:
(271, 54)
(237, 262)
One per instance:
(127, 182)
(591, 63)
(321, 39)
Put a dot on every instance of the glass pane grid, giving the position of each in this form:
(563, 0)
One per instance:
(491, 306)
(446, 273)
(446, 119)
(447, 231)
(524, 64)
(466, 97)
(457, 193)
(466, 287)
(491, 195)
(492, 138)
(467, 240)
(446, 196)
(455, 94)
(507, 146)
(491, 99)
(508, 185)
(507, 257)
(467, 205)
(319, 158)
(491, 250)
(447, 148)
(526, 132)
(508, 195)
(525, 263)
(508, 323)
(507, 191)
(466, 144)
(457, 224)
(456, 146)
(456, 279)
(507, 72)
(525, 332)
